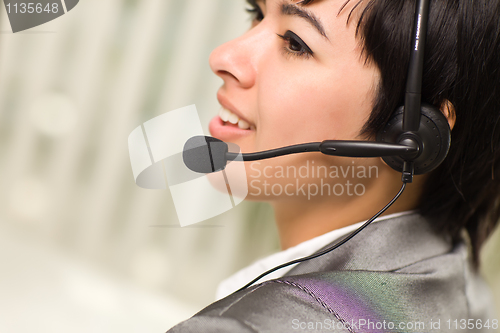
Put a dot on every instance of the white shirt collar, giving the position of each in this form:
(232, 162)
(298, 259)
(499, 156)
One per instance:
(245, 275)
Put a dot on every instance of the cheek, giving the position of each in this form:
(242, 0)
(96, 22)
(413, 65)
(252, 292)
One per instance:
(316, 106)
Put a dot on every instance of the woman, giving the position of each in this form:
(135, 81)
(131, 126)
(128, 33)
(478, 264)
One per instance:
(311, 70)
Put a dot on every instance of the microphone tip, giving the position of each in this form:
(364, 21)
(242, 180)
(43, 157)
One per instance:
(205, 154)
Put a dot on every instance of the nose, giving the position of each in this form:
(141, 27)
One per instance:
(235, 61)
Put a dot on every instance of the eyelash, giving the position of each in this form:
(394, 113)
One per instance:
(294, 41)
(255, 12)
(291, 39)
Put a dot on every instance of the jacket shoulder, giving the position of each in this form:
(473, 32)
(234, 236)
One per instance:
(273, 306)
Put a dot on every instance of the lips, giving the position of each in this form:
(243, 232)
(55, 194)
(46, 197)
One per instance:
(228, 131)
(229, 124)
(229, 118)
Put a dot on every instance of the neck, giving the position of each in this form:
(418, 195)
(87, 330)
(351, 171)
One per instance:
(301, 220)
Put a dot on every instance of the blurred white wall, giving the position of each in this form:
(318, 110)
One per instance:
(82, 248)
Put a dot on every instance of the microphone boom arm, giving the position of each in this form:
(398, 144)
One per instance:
(302, 148)
(336, 148)
(367, 149)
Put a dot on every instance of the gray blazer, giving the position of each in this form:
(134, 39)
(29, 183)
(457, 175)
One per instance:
(397, 275)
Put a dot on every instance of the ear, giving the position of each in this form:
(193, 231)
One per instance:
(448, 110)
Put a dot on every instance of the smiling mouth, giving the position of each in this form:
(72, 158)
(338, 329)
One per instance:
(231, 119)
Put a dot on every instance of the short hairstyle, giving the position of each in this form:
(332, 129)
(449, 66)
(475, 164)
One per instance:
(462, 67)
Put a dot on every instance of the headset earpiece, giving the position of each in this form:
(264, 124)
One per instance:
(433, 138)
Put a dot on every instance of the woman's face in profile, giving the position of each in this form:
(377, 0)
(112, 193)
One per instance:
(296, 76)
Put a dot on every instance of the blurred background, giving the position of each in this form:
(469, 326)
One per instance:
(82, 248)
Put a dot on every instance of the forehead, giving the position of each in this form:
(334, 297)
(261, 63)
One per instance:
(307, 2)
(351, 8)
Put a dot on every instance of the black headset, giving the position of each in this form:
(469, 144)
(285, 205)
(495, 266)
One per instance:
(418, 123)
(414, 141)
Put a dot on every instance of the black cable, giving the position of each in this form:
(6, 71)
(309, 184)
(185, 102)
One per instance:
(333, 247)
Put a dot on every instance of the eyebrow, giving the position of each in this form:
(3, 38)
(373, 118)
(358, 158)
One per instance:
(292, 10)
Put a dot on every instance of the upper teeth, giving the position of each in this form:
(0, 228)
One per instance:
(228, 116)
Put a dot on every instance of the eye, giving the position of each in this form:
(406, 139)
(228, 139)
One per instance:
(295, 45)
(255, 11)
